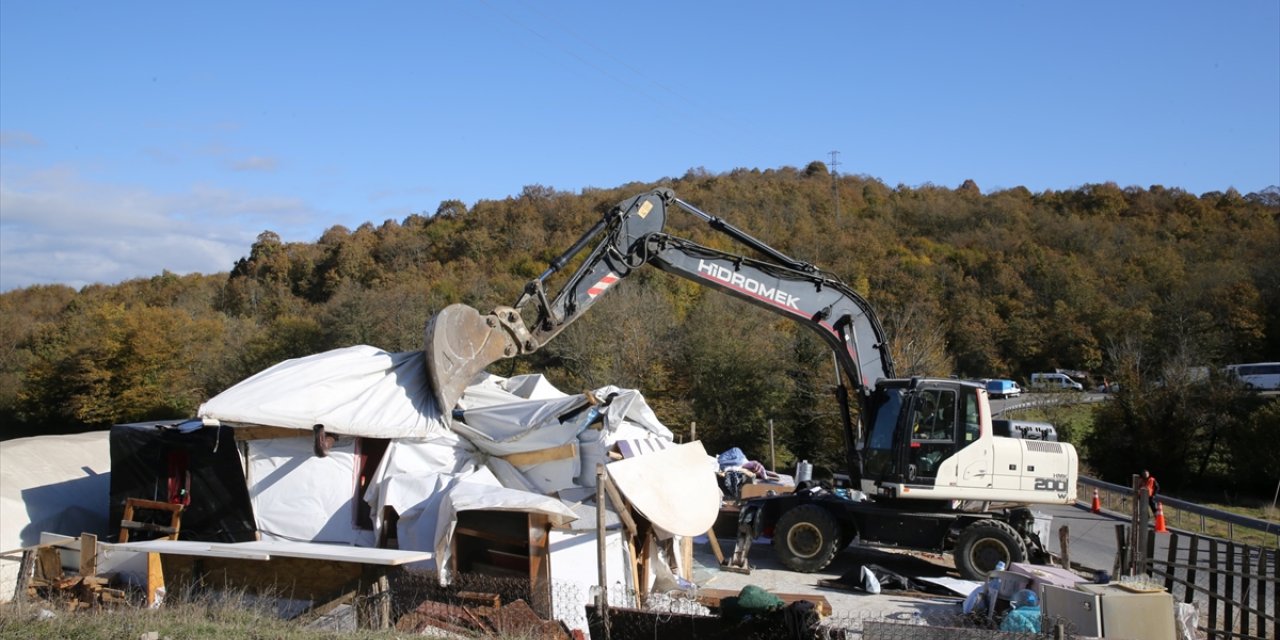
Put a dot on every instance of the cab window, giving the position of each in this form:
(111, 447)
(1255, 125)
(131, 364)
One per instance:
(934, 416)
(972, 421)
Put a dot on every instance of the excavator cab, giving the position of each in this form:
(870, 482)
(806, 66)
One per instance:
(915, 426)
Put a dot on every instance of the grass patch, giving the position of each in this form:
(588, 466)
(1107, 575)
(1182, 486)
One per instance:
(224, 617)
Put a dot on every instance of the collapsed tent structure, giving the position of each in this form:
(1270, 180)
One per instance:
(347, 447)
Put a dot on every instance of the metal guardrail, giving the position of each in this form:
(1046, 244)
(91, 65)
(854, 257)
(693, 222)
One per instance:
(1232, 520)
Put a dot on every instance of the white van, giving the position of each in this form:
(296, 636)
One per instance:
(1054, 382)
(1258, 375)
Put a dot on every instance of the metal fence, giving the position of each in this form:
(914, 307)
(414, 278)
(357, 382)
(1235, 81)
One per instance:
(489, 606)
(1178, 513)
(1234, 586)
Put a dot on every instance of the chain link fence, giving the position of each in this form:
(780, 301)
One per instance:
(499, 606)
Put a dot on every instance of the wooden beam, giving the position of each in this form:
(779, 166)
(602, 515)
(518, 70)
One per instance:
(88, 555)
(624, 511)
(527, 458)
(49, 564)
(268, 433)
(686, 557)
(155, 579)
(715, 545)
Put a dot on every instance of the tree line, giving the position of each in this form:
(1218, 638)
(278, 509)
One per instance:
(1133, 284)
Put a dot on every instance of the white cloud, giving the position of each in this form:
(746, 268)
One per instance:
(13, 138)
(58, 228)
(254, 163)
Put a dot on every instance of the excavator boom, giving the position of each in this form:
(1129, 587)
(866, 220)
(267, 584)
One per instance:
(461, 342)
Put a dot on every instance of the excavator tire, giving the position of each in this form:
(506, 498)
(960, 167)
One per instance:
(983, 544)
(806, 538)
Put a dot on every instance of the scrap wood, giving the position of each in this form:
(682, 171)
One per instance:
(520, 620)
(469, 598)
(447, 617)
(529, 458)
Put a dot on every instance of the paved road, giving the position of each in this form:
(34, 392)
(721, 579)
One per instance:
(1093, 537)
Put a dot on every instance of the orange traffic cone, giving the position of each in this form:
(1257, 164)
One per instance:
(1097, 504)
(1160, 528)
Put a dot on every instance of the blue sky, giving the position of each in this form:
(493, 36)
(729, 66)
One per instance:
(142, 136)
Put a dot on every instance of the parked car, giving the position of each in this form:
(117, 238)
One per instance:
(999, 388)
(1054, 382)
(1259, 375)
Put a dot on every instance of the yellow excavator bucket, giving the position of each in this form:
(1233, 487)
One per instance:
(460, 343)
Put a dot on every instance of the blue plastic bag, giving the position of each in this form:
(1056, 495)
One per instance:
(734, 457)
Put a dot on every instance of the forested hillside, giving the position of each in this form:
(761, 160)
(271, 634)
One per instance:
(1132, 283)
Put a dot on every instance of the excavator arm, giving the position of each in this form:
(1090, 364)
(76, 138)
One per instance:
(460, 342)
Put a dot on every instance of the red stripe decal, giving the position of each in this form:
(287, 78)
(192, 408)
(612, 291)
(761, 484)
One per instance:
(604, 283)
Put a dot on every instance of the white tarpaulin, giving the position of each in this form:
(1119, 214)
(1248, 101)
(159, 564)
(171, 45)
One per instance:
(520, 433)
(674, 488)
(299, 496)
(358, 391)
(60, 484)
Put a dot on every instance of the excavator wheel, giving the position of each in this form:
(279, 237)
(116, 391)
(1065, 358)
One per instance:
(983, 544)
(807, 538)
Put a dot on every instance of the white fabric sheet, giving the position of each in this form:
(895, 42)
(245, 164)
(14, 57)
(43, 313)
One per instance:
(299, 496)
(359, 391)
(59, 484)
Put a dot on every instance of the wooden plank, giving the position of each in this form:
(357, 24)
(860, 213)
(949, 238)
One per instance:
(48, 564)
(715, 545)
(1192, 555)
(1229, 601)
(88, 554)
(602, 593)
(375, 610)
(539, 542)
(1213, 583)
(527, 458)
(140, 503)
(479, 599)
(1244, 591)
(300, 578)
(1172, 557)
(686, 557)
(1262, 593)
(155, 579)
(1150, 552)
(1122, 545)
(619, 505)
(1275, 590)
(268, 433)
(713, 597)
(1064, 543)
(128, 517)
(25, 569)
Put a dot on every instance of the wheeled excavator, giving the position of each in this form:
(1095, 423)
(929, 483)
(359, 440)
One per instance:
(925, 469)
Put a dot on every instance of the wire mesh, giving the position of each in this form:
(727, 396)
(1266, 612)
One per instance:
(420, 599)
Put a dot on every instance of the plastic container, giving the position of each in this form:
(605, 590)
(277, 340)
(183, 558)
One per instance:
(804, 471)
